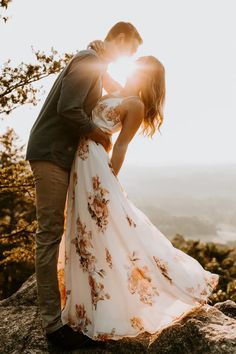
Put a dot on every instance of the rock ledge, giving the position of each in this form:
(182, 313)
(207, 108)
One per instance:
(210, 330)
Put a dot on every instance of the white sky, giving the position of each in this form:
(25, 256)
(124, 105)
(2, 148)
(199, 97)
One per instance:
(195, 40)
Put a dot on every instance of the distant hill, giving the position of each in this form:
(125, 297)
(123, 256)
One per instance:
(197, 201)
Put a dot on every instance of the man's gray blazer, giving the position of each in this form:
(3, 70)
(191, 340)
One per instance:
(66, 113)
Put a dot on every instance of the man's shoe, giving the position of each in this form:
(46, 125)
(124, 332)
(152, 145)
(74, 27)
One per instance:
(68, 339)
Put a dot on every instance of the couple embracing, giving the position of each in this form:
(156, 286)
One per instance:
(103, 270)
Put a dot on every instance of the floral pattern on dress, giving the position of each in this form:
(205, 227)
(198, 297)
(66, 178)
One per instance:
(97, 291)
(75, 181)
(130, 221)
(108, 257)
(105, 336)
(112, 170)
(203, 292)
(99, 108)
(88, 262)
(193, 291)
(212, 280)
(83, 244)
(163, 268)
(137, 323)
(113, 114)
(140, 282)
(110, 113)
(82, 320)
(97, 204)
(83, 148)
(190, 290)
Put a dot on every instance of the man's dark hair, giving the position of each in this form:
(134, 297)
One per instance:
(124, 27)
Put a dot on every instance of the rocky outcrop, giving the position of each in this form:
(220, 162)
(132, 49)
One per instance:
(210, 330)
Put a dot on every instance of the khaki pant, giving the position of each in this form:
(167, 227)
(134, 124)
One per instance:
(51, 183)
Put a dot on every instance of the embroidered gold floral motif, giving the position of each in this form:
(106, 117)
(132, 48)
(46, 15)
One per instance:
(130, 221)
(163, 268)
(97, 204)
(137, 323)
(108, 257)
(97, 291)
(83, 148)
(82, 244)
(140, 282)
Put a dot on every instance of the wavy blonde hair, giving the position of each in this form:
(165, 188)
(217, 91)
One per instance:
(152, 93)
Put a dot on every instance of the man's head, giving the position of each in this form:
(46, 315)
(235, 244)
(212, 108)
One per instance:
(122, 39)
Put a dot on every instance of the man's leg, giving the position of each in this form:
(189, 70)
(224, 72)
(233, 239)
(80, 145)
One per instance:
(51, 183)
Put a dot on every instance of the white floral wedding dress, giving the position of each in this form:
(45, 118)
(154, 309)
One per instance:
(118, 274)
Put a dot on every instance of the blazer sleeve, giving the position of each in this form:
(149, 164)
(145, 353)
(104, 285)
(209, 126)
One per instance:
(76, 84)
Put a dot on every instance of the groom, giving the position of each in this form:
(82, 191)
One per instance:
(64, 118)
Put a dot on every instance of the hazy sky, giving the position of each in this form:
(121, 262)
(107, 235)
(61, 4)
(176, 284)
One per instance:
(195, 40)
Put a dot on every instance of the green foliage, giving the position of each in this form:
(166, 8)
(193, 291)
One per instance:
(4, 5)
(16, 83)
(216, 258)
(17, 194)
(17, 215)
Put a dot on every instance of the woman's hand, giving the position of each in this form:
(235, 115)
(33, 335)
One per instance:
(98, 46)
(118, 156)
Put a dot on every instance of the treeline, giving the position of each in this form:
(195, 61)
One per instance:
(217, 258)
(17, 216)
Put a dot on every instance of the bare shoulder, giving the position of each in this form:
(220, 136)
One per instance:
(134, 104)
(133, 107)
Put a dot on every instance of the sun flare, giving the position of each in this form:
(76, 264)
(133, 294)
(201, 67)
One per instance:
(121, 69)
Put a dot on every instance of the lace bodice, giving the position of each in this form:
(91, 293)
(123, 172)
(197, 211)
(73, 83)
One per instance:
(106, 115)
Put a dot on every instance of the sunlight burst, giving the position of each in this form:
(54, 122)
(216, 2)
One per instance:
(121, 69)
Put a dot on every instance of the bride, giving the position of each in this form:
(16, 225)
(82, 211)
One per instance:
(118, 274)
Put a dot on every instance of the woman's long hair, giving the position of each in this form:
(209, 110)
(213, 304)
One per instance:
(152, 93)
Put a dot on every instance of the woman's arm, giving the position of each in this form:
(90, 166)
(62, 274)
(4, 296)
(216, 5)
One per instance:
(133, 116)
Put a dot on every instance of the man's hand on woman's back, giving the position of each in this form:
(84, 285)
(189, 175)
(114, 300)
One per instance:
(101, 137)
